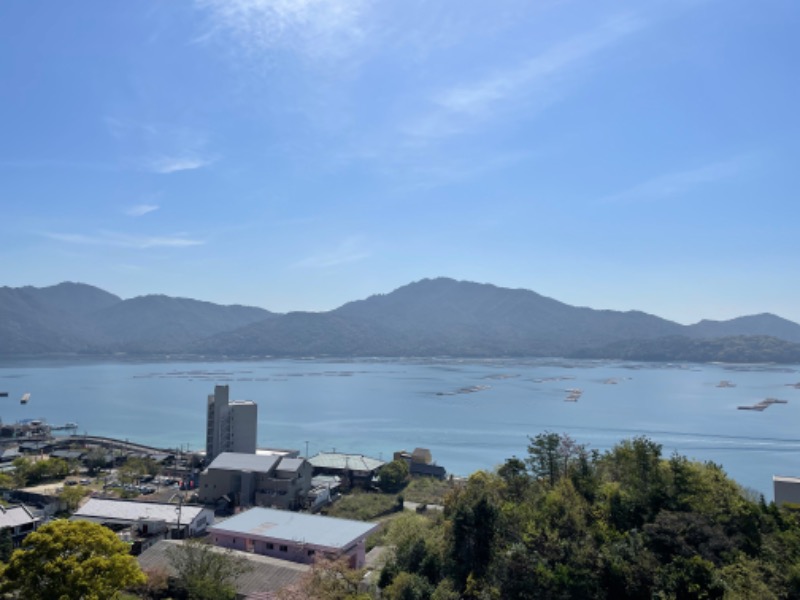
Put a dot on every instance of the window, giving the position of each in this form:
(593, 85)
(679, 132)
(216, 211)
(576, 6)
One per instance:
(270, 546)
(311, 552)
(284, 548)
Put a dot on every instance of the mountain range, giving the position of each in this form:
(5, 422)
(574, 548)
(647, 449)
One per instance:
(432, 317)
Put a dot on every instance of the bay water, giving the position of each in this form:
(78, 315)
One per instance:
(471, 414)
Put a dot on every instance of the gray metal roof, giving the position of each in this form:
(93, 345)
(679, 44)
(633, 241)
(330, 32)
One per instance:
(237, 461)
(345, 462)
(277, 525)
(266, 575)
(125, 510)
(290, 464)
(14, 516)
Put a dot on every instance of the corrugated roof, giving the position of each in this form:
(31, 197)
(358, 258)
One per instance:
(268, 523)
(125, 510)
(345, 462)
(266, 575)
(15, 516)
(237, 461)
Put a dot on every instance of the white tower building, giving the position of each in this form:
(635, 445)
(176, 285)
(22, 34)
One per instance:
(231, 426)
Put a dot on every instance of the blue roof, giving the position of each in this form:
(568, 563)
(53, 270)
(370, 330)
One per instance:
(268, 523)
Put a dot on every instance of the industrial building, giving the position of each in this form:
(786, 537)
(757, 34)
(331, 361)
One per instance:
(231, 426)
(298, 537)
(256, 480)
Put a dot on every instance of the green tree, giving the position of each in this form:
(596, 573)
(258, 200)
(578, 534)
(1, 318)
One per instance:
(96, 459)
(6, 545)
(408, 586)
(135, 468)
(72, 560)
(393, 476)
(205, 572)
(472, 513)
(72, 496)
(22, 470)
(327, 580)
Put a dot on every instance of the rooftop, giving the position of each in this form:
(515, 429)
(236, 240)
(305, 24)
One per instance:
(346, 462)
(785, 479)
(238, 461)
(125, 510)
(290, 464)
(268, 523)
(14, 516)
(267, 575)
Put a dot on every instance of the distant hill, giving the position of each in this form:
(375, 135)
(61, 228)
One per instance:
(735, 349)
(71, 318)
(763, 324)
(432, 317)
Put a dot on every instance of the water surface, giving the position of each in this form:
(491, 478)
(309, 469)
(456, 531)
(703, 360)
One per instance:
(471, 414)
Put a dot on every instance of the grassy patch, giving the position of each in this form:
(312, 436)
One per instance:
(362, 506)
(427, 490)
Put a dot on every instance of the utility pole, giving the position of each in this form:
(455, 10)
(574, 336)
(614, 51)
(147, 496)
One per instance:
(306, 449)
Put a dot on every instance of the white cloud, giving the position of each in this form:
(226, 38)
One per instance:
(535, 81)
(174, 164)
(676, 183)
(348, 251)
(122, 240)
(141, 210)
(315, 28)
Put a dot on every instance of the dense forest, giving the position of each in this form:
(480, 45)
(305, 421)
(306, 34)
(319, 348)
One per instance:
(565, 522)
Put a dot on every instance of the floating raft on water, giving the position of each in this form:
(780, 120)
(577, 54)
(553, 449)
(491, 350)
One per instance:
(759, 406)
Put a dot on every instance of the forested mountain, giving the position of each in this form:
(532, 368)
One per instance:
(432, 317)
(78, 318)
(763, 324)
(734, 349)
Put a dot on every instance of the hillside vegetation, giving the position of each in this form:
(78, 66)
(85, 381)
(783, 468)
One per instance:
(565, 522)
(428, 318)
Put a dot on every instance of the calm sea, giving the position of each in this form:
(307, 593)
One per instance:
(471, 414)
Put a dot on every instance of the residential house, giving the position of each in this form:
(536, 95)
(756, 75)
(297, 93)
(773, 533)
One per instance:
(353, 469)
(19, 520)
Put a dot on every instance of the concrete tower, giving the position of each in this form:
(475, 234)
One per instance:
(230, 426)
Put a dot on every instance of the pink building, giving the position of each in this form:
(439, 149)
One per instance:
(294, 536)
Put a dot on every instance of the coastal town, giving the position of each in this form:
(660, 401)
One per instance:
(253, 502)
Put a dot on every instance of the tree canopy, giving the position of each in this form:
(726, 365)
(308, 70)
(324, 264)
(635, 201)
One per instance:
(566, 522)
(72, 560)
(204, 572)
(393, 476)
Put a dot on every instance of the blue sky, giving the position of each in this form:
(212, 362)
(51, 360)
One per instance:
(298, 154)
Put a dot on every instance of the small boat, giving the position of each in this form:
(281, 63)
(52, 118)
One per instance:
(3, 394)
(25, 397)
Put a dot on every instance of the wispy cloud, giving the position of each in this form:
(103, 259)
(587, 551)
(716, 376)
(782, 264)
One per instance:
(174, 164)
(673, 184)
(122, 240)
(534, 81)
(318, 29)
(350, 250)
(161, 148)
(141, 209)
